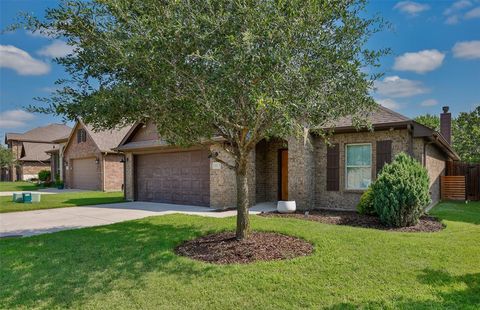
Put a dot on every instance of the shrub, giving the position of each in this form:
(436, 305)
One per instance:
(365, 206)
(401, 192)
(44, 175)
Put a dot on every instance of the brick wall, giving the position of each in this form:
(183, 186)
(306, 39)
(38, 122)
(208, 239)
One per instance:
(301, 171)
(75, 150)
(436, 165)
(113, 172)
(266, 169)
(348, 199)
(129, 177)
(30, 169)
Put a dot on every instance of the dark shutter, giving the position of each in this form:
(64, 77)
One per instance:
(79, 136)
(384, 153)
(333, 167)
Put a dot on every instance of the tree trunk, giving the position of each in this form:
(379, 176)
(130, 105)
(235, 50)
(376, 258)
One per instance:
(243, 222)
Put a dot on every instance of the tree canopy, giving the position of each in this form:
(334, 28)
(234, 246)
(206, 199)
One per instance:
(6, 157)
(465, 133)
(243, 70)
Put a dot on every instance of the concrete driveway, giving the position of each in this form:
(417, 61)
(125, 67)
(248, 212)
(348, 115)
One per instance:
(28, 223)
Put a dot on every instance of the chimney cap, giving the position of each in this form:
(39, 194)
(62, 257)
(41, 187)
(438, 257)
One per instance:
(445, 109)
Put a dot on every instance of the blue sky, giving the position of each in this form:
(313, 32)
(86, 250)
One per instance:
(435, 60)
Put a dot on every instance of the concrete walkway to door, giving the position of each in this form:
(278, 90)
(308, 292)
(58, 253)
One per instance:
(29, 223)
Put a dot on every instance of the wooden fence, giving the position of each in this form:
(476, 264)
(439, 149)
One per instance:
(471, 174)
(452, 187)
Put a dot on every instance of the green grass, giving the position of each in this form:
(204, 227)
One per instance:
(50, 201)
(18, 186)
(132, 265)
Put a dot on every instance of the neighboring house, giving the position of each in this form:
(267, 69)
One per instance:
(90, 163)
(29, 150)
(313, 174)
(57, 162)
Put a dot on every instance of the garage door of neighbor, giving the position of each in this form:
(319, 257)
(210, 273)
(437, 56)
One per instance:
(179, 178)
(85, 175)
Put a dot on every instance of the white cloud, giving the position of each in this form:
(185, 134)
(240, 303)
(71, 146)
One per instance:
(389, 104)
(396, 87)
(429, 103)
(419, 62)
(16, 59)
(457, 6)
(467, 49)
(452, 20)
(411, 8)
(57, 48)
(474, 13)
(14, 118)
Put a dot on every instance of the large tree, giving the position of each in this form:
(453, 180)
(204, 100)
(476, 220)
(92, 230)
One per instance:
(243, 70)
(465, 133)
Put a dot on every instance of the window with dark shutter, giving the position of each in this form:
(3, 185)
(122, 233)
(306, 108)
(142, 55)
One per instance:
(333, 167)
(81, 136)
(384, 153)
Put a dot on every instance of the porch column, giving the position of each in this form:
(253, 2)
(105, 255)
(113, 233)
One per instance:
(301, 172)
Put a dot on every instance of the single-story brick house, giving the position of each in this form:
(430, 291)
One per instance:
(29, 149)
(89, 161)
(313, 174)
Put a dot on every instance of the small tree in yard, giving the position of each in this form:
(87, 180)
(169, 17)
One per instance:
(6, 157)
(243, 70)
(401, 192)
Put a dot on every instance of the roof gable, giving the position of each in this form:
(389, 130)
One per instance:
(104, 140)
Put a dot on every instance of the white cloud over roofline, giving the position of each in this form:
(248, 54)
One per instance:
(396, 87)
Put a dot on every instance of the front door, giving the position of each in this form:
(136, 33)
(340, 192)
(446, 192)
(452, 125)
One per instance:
(283, 188)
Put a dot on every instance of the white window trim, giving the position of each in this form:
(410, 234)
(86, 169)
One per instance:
(356, 166)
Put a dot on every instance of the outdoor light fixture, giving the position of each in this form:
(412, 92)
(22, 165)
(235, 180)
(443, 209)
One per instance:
(97, 161)
(122, 160)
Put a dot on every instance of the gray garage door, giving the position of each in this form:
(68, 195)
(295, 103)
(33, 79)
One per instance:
(179, 178)
(85, 174)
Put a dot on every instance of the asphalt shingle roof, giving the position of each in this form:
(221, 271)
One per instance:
(41, 134)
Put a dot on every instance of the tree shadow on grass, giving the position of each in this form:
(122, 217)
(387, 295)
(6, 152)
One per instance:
(66, 268)
(452, 292)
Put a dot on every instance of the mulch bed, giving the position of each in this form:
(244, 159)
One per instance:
(350, 218)
(223, 248)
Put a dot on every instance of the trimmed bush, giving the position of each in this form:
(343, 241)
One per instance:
(401, 192)
(44, 175)
(365, 206)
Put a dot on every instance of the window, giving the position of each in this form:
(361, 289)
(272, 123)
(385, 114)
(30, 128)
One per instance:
(81, 136)
(358, 165)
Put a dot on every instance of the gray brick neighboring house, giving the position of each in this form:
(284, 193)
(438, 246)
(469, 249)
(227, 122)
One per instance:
(29, 149)
(309, 171)
(89, 161)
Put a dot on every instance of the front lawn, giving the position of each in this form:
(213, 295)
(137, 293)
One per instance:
(50, 201)
(18, 186)
(132, 265)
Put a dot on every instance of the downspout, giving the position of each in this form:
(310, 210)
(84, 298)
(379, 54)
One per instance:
(410, 142)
